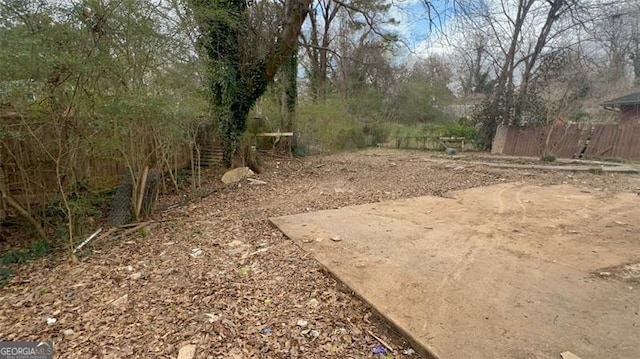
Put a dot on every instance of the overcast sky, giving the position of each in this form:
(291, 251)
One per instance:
(423, 36)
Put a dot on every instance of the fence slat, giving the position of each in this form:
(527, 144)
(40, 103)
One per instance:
(568, 141)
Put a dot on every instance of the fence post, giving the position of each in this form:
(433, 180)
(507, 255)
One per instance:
(3, 190)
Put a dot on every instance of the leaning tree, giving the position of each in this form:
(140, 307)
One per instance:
(246, 42)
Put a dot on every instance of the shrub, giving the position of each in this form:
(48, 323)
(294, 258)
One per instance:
(377, 133)
(37, 249)
(548, 158)
(596, 170)
(458, 129)
(329, 127)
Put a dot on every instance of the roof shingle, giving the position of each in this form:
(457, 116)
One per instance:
(630, 99)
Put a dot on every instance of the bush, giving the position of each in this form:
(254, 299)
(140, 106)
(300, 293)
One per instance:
(523, 109)
(548, 158)
(37, 249)
(85, 207)
(329, 127)
(377, 133)
(458, 129)
(596, 170)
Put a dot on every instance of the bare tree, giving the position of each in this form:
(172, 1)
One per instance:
(614, 37)
(519, 33)
(342, 35)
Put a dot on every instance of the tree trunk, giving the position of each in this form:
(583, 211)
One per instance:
(238, 75)
(313, 49)
(290, 77)
(554, 13)
(232, 120)
(289, 73)
(636, 64)
(3, 190)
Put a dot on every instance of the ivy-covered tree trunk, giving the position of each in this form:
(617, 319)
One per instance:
(239, 73)
(288, 77)
(290, 83)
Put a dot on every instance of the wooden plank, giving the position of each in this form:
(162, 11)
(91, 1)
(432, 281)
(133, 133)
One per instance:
(275, 134)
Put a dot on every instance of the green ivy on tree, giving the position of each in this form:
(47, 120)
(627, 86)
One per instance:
(239, 72)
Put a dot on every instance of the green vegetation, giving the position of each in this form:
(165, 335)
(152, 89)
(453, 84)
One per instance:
(86, 91)
(93, 90)
(241, 66)
(548, 158)
(36, 250)
(459, 129)
(328, 127)
(5, 275)
(596, 171)
(427, 135)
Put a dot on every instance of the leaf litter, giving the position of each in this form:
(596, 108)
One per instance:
(216, 277)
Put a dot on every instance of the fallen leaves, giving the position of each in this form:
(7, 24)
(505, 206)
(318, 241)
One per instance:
(213, 276)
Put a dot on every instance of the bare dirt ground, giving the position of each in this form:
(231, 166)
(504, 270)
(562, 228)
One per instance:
(216, 274)
(503, 271)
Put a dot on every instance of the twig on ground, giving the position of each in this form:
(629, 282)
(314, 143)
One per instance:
(87, 240)
(381, 341)
(108, 233)
(132, 230)
(255, 181)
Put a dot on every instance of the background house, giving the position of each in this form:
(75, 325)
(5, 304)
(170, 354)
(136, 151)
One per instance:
(627, 106)
(578, 140)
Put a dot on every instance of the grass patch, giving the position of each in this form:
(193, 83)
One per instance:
(36, 250)
(548, 158)
(5, 275)
(596, 171)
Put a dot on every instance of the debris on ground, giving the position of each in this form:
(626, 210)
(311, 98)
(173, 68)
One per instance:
(568, 355)
(302, 323)
(384, 344)
(187, 352)
(255, 181)
(408, 351)
(236, 175)
(271, 290)
(379, 350)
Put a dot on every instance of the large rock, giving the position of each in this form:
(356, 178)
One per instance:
(187, 352)
(237, 175)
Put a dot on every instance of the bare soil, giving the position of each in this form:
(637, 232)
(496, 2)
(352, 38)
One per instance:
(502, 271)
(216, 274)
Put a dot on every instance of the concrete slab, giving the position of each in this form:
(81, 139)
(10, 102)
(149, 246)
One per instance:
(507, 271)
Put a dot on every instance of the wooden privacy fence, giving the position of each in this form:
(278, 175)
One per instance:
(569, 140)
(35, 161)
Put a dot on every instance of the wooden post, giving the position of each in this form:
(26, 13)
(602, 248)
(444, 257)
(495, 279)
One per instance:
(3, 190)
(141, 187)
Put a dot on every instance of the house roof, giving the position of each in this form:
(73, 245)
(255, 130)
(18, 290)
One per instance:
(630, 99)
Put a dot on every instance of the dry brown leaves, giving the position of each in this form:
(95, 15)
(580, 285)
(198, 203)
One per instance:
(217, 275)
